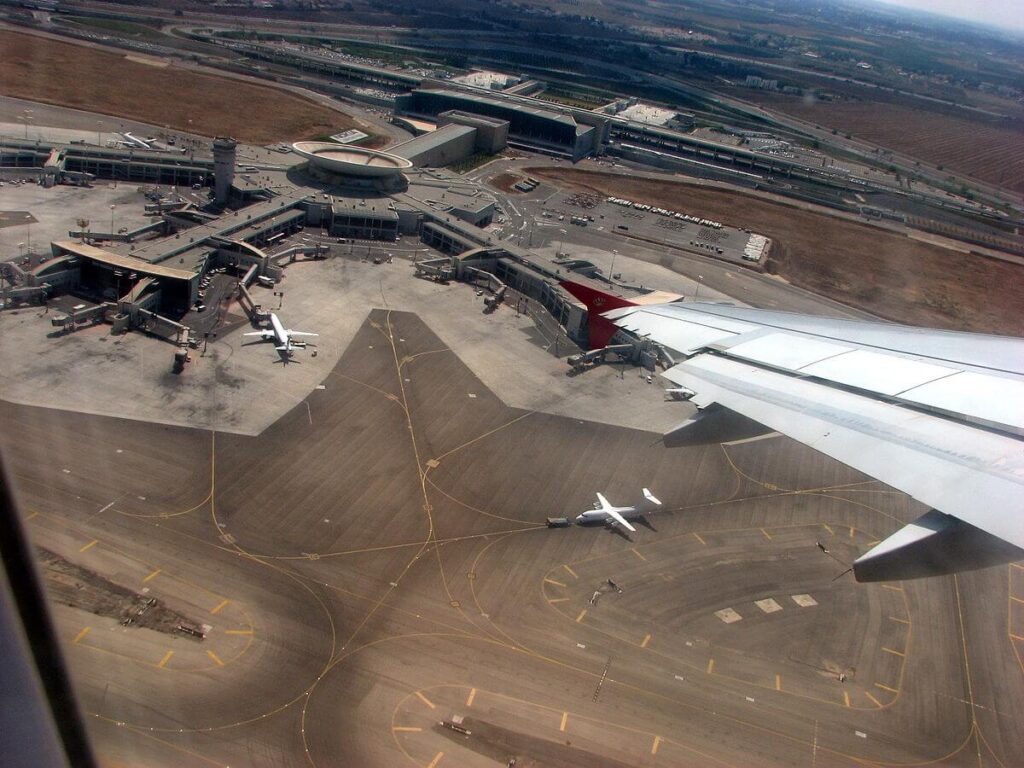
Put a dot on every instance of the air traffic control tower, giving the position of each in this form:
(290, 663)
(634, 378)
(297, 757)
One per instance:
(223, 168)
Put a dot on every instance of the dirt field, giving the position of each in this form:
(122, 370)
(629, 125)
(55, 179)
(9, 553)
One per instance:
(985, 150)
(506, 182)
(53, 72)
(883, 273)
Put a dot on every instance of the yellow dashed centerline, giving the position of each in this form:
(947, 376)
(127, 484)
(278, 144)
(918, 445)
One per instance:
(220, 606)
(552, 581)
(165, 659)
(424, 699)
(698, 538)
(852, 531)
(846, 698)
(893, 587)
(828, 528)
(582, 614)
(1015, 637)
(570, 571)
(80, 635)
(778, 682)
(152, 576)
(886, 688)
(437, 759)
(876, 702)
(1017, 599)
(237, 631)
(90, 545)
(655, 745)
(646, 640)
(901, 621)
(32, 514)
(472, 695)
(565, 720)
(893, 652)
(406, 729)
(711, 666)
(633, 550)
(558, 600)
(215, 658)
(766, 534)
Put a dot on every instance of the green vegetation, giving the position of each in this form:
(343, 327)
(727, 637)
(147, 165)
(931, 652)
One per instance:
(474, 161)
(580, 99)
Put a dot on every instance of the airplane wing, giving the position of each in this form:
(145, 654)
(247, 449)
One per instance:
(938, 415)
(605, 506)
(619, 519)
(301, 333)
(256, 333)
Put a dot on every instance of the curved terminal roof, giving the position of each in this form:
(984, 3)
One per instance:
(351, 161)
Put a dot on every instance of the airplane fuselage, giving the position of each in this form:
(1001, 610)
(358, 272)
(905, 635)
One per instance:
(602, 516)
(280, 334)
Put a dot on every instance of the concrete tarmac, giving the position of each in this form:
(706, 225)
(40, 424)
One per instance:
(374, 563)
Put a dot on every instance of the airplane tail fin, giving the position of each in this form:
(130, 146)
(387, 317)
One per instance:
(600, 329)
(651, 497)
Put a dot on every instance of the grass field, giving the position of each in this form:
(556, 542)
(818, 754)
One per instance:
(983, 149)
(54, 72)
(882, 272)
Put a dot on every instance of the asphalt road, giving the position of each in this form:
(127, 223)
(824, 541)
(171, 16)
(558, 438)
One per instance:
(375, 562)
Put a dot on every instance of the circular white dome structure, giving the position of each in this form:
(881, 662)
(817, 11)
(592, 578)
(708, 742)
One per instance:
(351, 161)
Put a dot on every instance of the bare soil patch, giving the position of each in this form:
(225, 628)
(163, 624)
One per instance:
(884, 273)
(83, 77)
(506, 182)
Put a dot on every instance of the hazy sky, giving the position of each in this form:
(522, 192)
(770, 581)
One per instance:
(1007, 14)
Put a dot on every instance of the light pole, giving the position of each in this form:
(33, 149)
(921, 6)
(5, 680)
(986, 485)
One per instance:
(26, 117)
(112, 207)
(611, 274)
(700, 279)
(558, 253)
(28, 233)
(99, 128)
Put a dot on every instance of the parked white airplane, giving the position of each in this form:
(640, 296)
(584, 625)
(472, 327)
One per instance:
(936, 414)
(604, 512)
(284, 337)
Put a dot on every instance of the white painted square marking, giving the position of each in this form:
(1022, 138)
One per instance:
(750, 699)
(804, 601)
(768, 606)
(472, 395)
(728, 615)
(681, 678)
(860, 734)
